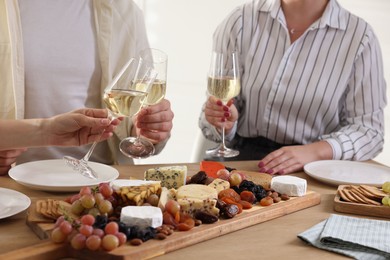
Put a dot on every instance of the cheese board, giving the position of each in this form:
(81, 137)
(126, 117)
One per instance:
(179, 239)
(343, 206)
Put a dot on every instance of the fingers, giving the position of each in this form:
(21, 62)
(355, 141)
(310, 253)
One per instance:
(7, 158)
(218, 114)
(156, 122)
(282, 161)
(93, 112)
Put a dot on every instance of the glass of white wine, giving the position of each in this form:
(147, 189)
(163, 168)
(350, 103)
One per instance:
(122, 99)
(139, 147)
(223, 83)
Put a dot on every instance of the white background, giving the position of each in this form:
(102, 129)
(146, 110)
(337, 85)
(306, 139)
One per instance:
(184, 28)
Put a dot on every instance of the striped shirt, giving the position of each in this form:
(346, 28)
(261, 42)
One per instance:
(327, 85)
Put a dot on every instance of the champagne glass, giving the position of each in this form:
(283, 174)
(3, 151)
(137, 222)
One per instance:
(139, 147)
(121, 100)
(223, 83)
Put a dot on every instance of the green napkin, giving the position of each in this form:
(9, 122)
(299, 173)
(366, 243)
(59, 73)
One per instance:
(358, 238)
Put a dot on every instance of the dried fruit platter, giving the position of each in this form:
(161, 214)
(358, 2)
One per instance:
(343, 206)
(176, 241)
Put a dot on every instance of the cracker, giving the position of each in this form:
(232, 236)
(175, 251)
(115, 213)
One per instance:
(344, 196)
(374, 190)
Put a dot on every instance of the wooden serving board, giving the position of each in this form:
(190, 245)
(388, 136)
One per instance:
(176, 241)
(358, 208)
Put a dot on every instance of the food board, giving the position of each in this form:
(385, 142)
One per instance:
(177, 240)
(358, 208)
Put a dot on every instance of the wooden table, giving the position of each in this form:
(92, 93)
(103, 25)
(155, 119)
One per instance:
(274, 239)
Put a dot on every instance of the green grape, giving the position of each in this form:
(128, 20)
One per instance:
(57, 236)
(386, 187)
(77, 208)
(105, 207)
(110, 242)
(385, 201)
(88, 201)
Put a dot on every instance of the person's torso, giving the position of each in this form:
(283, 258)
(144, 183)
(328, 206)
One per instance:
(62, 69)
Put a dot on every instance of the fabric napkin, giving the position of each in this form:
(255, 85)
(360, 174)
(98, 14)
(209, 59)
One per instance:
(358, 238)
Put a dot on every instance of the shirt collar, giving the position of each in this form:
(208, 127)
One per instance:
(334, 15)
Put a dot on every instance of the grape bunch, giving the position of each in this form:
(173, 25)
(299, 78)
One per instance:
(83, 234)
(386, 188)
(93, 201)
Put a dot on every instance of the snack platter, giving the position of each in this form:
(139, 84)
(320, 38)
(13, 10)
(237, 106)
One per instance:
(177, 240)
(192, 192)
(343, 206)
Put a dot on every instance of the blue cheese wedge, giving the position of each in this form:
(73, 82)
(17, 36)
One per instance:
(145, 216)
(169, 176)
(290, 185)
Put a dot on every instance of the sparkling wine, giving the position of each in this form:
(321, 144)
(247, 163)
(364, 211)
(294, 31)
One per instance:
(223, 88)
(124, 102)
(157, 91)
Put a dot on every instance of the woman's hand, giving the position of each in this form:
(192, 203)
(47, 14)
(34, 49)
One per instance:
(218, 114)
(7, 158)
(155, 122)
(79, 127)
(289, 159)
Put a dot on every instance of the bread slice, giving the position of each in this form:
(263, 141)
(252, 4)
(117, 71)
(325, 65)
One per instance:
(260, 178)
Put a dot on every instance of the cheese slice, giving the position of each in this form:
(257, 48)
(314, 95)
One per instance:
(165, 196)
(290, 185)
(196, 191)
(219, 184)
(169, 176)
(144, 216)
(135, 192)
(196, 197)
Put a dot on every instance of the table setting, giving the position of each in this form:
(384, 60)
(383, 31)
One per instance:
(306, 224)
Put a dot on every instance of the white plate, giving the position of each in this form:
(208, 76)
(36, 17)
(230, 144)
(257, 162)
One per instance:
(348, 172)
(55, 175)
(12, 202)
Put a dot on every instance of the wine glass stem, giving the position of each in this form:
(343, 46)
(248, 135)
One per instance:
(90, 151)
(223, 136)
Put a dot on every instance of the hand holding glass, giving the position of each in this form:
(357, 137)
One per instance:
(139, 147)
(122, 99)
(223, 83)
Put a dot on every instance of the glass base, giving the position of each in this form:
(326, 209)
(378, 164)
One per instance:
(136, 148)
(222, 151)
(81, 166)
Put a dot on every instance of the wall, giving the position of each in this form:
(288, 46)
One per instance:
(184, 28)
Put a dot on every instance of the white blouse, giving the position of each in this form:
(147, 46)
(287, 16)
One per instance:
(327, 85)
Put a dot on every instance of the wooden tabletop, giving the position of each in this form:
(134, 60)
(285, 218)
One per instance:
(274, 239)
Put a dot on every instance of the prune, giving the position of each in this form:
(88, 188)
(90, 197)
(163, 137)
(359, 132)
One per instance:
(257, 190)
(229, 211)
(205, 217)
(199, 178)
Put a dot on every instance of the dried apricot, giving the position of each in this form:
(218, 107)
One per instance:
(229, 193)
(245, 204)
(266, 201)
(186, 225)
(248, 196)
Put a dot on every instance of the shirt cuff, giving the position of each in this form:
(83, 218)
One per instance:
(336, 147)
